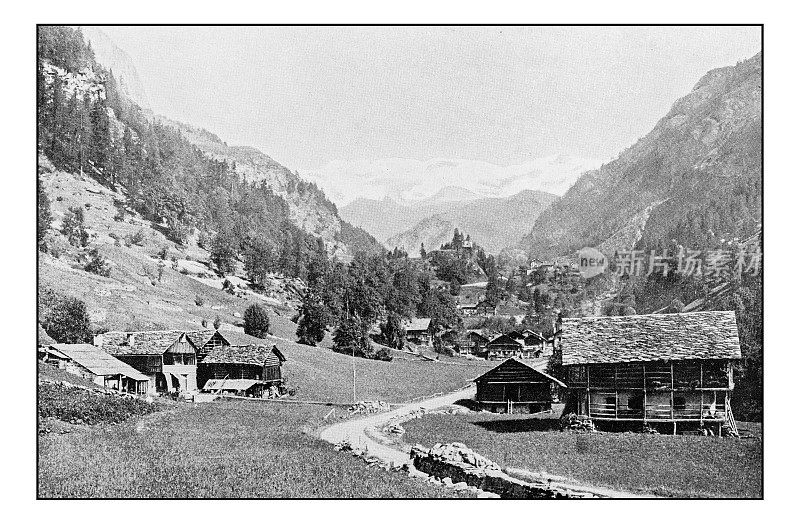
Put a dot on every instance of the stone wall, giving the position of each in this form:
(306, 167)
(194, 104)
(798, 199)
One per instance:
(460, 464)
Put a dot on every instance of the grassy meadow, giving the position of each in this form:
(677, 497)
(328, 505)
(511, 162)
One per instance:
(660, 465)
(240, 448)
(221, 449)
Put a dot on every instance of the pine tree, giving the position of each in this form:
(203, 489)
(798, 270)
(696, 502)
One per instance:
(43, 216)
(256, 321)
(100, 144)
(223, 254)
(351, 337)
(393, 332)
(313, 319)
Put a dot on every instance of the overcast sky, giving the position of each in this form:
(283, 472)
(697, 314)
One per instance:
(310, 95)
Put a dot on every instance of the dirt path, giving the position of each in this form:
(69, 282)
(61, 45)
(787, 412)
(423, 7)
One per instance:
(365, 434)
(358, 431)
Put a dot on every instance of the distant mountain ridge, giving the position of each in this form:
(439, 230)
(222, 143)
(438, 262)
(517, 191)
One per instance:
(411, 182)
(695, 179)
(495, 223)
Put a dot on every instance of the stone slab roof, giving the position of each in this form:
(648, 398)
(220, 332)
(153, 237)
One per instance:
(644, 338)
(148, 342)
(98, 361)
(258, 355)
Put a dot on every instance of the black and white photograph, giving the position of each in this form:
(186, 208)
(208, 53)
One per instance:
(397, 261)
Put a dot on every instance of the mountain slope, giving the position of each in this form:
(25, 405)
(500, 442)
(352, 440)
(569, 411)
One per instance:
(173, 173)
(496, 223)
(117, 61)
(695, 178)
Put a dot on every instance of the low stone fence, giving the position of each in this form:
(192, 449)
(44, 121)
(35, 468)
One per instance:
(460, 464)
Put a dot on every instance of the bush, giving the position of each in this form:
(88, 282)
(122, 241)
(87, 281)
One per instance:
(97, 264)
(198, 300)
(256, 321)
(137, 238)
(73, 227)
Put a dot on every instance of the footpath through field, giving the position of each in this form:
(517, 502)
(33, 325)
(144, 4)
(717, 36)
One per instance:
(356, 431)
(360, 433)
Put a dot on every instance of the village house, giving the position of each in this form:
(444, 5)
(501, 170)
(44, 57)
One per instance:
(168, 358)
(467, 309)
(96, 365)
(670, 370)
(252, 370)
(502, 347)
(486, 308)
(418, 331)
(465, 342)
(522, 344)
(517, 386)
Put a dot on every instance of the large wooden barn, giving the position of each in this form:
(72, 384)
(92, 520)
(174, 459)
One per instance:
(671, 369)
(168, 358)
(517, 386)
(251, 370)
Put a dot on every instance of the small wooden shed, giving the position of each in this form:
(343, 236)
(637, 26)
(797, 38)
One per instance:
(675, 369)
(517, 386)
(101, 368)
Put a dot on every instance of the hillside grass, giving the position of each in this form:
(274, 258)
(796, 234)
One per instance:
(660, 465)
(321, 374)
(222, 449)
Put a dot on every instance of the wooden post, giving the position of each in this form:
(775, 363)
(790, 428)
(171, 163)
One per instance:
(644, 394)
(588, 393)
(616, 393)
(672, 392)
(702, 394)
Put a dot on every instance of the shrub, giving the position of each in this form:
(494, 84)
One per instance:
(217, 322)
(137, 238)
(73, 227)
(256, 321)
(198, 300)
(97, 264)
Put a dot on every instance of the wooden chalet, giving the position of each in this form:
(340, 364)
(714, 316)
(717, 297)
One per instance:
(465, 342)
(486, 308)
(168, 358)
(675, 369)
(250, 370)
(468, 309)
(503, 347)
(418, 331)
(101, 368)
(516, 385)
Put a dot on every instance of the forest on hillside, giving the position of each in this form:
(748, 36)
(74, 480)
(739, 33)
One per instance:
(86, 125)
